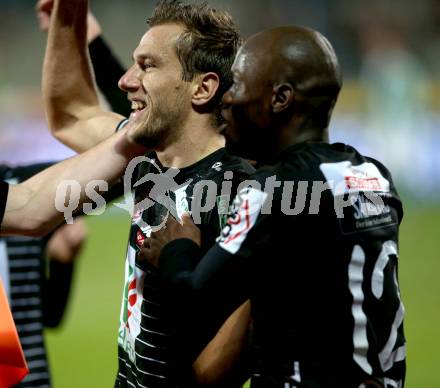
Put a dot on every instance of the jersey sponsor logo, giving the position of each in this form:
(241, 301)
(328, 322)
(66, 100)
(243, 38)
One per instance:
(132, 299)
(140, 238)
(246, 208)
(365, 215)
(365, 208)
(130, 317)
(217, 166)
(364, 184)
(344, 178)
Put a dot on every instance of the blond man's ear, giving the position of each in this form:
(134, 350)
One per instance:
(205, 88)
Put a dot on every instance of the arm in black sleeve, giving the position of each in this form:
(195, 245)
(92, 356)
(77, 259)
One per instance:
(56, 292)
(189, 272)
(204, 295)
(63, 249)
(108, 70)
(205, 292)
(220, 280)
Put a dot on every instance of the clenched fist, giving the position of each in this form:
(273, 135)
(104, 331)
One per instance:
(44, 8)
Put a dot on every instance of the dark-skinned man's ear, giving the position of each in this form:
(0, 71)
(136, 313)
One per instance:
(282, 98)
(205, 88)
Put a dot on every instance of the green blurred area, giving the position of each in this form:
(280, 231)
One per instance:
(83, 353)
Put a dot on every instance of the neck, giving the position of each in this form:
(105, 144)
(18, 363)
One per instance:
(311, 135)
(194, 144)
(295, 133)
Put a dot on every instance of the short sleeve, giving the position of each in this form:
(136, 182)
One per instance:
(245, 213)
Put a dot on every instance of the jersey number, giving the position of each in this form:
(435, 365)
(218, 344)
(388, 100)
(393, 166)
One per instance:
(357, 283)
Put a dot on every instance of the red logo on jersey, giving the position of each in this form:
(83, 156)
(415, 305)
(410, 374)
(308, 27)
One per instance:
(132, 298)
(369, 184)
(242, 216)
(140, 238)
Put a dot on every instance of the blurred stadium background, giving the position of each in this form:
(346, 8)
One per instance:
(389, 109)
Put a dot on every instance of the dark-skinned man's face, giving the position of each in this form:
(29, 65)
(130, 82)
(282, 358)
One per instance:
(247, 106)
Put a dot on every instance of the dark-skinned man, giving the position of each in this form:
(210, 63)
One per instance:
(312, 241)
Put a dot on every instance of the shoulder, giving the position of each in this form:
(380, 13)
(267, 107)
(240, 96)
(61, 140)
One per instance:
(230, 167)
(238, 164)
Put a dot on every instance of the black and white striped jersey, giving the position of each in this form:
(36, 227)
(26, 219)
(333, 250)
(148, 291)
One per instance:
(23, 278)
(147, 331)
(23, 271)
(314, 244)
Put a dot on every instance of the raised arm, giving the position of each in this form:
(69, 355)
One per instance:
(30, 206)
(73, 110)
(107, 68)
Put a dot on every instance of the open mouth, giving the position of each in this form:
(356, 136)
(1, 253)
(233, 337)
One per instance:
(137, 108)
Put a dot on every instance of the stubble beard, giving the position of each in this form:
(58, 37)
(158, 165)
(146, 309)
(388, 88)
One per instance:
(162, 124)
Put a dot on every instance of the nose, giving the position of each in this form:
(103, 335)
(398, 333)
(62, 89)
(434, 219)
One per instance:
(226, 110)
(226, 99)
(129, 82)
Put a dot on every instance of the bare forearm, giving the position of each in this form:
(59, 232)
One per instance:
(31, 209)
(72, 106)
(218, 362)
(67, 77)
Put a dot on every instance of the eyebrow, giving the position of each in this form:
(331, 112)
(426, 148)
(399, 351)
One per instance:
(143, 57)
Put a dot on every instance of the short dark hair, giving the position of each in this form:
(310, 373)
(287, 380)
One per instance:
(208, 44)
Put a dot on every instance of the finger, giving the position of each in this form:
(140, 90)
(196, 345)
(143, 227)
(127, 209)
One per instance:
(39, 5)
(43, 10)
(146, 243)
(144, 254)
(187, 219)
(147, 250)
(43, 21)
(45, 6)
(156, 235)
(171, 221)
(150, 255)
